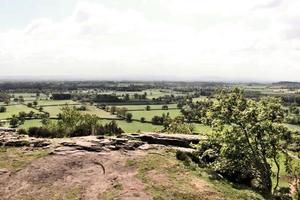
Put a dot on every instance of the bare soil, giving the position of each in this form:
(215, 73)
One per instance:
(75, 176)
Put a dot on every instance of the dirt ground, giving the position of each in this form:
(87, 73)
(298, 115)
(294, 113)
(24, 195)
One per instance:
(75, 176)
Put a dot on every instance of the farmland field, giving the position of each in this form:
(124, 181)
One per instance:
(56, 102)
(100, 113)
(143, 107)
(31, 123)
(14, 110)
(53, 110)
(132, 127)
(150, 114)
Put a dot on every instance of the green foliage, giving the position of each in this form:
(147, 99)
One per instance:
(2, 109)
(14, 122)
(179, 126)
(110, 128)
(128, 117)
(148, 108)
(250, 134)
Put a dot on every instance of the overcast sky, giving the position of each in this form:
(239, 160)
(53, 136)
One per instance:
(255, 40)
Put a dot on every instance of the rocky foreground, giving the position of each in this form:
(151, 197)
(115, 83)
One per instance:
(132, 166)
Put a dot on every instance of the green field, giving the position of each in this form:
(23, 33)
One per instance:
(56, 102)
(53, 110)
(14, 110)
(93, 110)
(150, 114)
(143, 107)
(31, 123)
(133, 127)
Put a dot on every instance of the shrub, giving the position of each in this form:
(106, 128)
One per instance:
(2, 109)
(128, 117)
(143, 119)
(165, 107)
(22, 132)
(148, 108)
(14, 122)
(43, 132)
(109, 129)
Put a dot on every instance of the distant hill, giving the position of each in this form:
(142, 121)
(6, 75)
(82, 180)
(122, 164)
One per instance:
(287, 84)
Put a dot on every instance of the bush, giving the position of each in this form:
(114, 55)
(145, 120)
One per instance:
(22, 132)
(42, 132)
(143, 119)
(165, 107)
(109, 129)
(14, 122)
(128, 117)
(2, 109)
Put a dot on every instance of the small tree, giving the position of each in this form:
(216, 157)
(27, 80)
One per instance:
(148, 108)
(35, 103)
(143, 119)
(30, 114)
(128, 117)
(165, 107)
(7, 101)
(250, 134)
(14, 122)
(113, 109)
(2, 109)
(29, 105)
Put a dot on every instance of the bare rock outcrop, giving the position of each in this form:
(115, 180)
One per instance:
(12, 139)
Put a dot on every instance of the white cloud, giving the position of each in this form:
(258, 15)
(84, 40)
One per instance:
(238, 39)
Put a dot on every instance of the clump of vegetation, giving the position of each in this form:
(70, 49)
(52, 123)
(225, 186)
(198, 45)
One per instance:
(248, 138)
(72, 123)
(178, 125)
(110, 129)
(128, 117)
(161, 120)
(2, 109)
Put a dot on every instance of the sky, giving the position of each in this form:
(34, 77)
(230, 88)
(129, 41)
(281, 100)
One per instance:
(192, 40)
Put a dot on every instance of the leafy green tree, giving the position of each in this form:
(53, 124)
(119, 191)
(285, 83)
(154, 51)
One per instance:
(2, 109)
(121, 112)
(69, 119)
(113, 109)
(30, 114)
(35, 103)
(148, 108)
(165, 107)
(179, 126)
(14, 122)
(250, 134)
(128, 117)
(7, 101)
